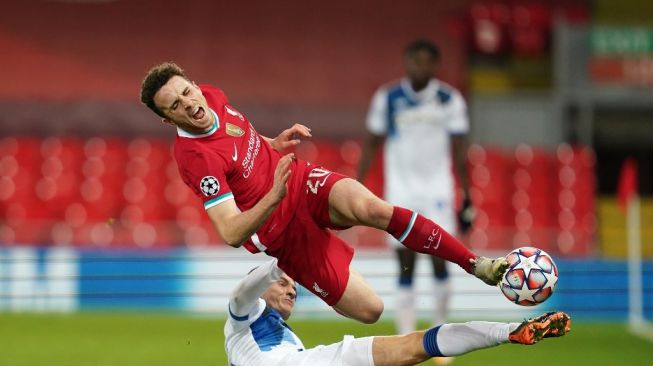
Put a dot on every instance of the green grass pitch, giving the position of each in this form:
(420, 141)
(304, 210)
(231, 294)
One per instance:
(128, 339)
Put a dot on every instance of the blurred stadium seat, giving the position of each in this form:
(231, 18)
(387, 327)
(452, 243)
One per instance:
(490, 187)
(128, 193)
(534, 180)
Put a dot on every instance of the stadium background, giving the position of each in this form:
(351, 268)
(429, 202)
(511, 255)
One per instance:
(103, 248)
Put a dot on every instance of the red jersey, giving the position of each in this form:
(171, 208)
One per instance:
(232, 161)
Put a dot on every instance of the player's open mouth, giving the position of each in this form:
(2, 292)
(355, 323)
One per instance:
(198, 113)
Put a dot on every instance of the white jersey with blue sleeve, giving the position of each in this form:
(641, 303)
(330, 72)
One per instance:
(254, 333)
(417, 151)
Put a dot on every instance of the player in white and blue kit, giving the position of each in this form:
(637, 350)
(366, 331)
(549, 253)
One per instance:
(421, 121)
(256, 333)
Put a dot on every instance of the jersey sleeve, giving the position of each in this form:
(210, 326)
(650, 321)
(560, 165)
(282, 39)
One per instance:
(245, 302)
(205, 176)
(457, 121)
(377, 116)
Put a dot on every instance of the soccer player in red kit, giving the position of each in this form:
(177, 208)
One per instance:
(273, 203)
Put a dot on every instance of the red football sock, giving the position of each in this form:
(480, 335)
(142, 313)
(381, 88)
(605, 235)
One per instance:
(422, 235)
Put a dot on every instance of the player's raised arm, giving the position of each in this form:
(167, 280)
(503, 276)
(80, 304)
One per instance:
(234, 226)
(370, 148)
(246, 294)
(289, 137)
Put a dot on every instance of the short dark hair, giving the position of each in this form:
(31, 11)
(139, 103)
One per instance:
(157, 77)
(422, 44)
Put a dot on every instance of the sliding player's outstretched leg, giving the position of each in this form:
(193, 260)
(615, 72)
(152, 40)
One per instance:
(531, 331)
(456, 339)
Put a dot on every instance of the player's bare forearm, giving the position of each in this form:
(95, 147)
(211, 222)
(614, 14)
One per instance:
(370, 148)
(234, 226)
(460, 160)
(268, 140)
(237, 229)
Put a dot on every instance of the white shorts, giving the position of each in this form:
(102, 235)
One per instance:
(349, 352)
(441, 212)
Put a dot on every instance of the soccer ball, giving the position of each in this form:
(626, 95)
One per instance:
(531, 277)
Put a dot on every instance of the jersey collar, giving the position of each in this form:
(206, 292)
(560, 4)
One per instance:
(274, 313)
(423, 94)
(216, 125)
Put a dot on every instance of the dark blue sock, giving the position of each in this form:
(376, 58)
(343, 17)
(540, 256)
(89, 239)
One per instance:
(431, 342)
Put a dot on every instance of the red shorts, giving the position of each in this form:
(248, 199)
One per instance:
(307, 251)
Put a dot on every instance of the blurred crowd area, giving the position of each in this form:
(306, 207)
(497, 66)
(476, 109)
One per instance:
(128, 192)
(558, 94)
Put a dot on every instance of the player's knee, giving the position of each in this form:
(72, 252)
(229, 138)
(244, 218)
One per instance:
(372, 312)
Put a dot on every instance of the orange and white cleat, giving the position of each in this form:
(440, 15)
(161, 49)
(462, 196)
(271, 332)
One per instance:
(443, 360)
(553, 324)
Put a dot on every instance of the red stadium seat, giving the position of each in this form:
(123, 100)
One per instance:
(534, 177)
(19, 167)
(25, 149)
(490, 184)
(490, 191)
(128, 193)
(328, 155)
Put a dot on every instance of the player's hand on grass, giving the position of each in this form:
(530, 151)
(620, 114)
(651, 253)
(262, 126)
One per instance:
(291, 137)
(489, 270)
(281, 175)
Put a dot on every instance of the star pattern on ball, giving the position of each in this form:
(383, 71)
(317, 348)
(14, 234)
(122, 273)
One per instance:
(551, 280)
(526, 264)
(526, 293)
